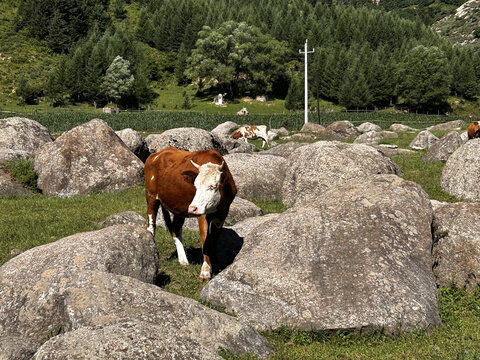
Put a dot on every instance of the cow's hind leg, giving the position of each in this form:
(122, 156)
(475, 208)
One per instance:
(152, 209)
(175, 229)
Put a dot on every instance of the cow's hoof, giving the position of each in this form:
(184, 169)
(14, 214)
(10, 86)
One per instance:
(204, 278)
(184, 263)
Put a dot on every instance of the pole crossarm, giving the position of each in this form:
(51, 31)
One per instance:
(306, 52)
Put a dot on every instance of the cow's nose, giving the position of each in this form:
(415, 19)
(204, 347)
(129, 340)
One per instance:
(192, 209)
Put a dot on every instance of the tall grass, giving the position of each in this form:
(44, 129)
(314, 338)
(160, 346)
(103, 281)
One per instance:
(59, 121)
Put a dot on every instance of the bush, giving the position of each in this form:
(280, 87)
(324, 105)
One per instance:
(23, 172)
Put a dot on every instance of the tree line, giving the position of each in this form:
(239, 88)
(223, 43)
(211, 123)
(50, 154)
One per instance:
(364, 57)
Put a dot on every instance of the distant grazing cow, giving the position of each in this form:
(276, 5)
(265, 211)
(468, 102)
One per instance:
(189, 184)
(252, 132)
(473, 130)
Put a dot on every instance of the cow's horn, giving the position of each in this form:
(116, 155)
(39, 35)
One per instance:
(195, 164)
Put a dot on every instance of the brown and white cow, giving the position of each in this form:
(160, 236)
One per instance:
(252, 132)
(189, 184)
(473, 130)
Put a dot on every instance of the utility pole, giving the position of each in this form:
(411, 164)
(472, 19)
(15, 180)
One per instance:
(306, 52)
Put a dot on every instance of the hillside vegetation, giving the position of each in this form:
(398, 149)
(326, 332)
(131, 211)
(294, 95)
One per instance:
(132, 53)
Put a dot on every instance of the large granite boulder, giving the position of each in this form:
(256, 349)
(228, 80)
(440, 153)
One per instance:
(20, 138)
(64, 301)
(369, 138)
(28, 303)
(150, 139)
(189, 139)
(443, 148)
(401, 127)
(257, 176)
(237, 145)
(460, 174)
(313, 127)
(423, 140)
(456, 250)
(124, 340)
(368, 126)
(284, 150)
(125, 218)
(449, 125)
(341, 130)
(135, 142)
(318, 167)
(356, 258)
(88, 158)
(225, 129)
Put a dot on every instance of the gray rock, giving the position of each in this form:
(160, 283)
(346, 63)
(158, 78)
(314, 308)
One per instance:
(281, 131)
(368, 126)
(389, 134)
(401, 127)
(189, 139)
(28, 282)
(423, 140)
(125, 218)
(464, 136)
(20, 138)
(460, 174)
(341, 130)
(225, 129)
(318, 167)
(16, 348)
(257, 176)
(237, 146)
(9, 186)
(88, 158)
(151, 138)
(312, 127)
(124, 340)
(443, 148)
(450, 125)
(74, 300)
(284, 150)
(456, 248)
(388, 150)
(135, 142)
(303, 137)
(369, 138)
(357, 258)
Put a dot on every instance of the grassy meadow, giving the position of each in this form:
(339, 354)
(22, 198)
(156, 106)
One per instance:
(29, 221)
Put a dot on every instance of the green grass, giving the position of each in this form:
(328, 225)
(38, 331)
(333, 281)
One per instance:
(23, 172)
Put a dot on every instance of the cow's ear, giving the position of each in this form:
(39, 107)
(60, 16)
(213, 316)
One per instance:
(189, 176)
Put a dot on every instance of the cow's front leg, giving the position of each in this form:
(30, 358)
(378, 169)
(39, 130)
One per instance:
(206, 271)
(152, 209)
(177, 237)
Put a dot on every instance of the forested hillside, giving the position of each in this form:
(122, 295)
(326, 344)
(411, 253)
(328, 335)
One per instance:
(124, 51)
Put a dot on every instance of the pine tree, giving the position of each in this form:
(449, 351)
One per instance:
(425, 78)
(295, 96)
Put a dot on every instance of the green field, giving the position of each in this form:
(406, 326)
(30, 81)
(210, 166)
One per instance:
(151, 121)
(30, 221)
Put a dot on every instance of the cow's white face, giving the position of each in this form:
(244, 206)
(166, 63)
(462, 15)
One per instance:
(207, 185)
